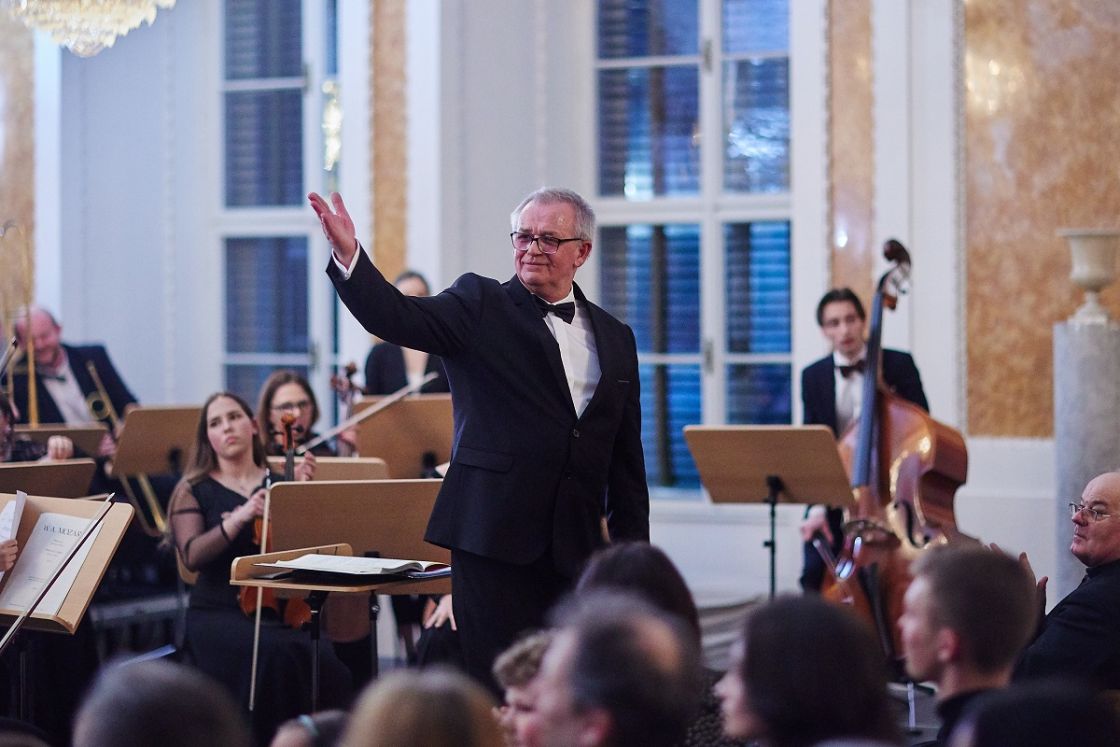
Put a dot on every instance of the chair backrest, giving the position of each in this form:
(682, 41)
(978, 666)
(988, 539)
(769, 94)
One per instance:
(342, 468)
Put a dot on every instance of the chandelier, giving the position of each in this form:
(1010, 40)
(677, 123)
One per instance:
(85, 27)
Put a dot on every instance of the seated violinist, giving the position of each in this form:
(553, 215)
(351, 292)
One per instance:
(213, 512)
(285, 392)
(13, 449)
(832, 394)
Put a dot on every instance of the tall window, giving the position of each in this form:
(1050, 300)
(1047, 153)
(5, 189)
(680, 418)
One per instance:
(693, 138)
(275, 70)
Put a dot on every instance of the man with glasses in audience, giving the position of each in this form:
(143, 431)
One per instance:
(1081, 635)
(547, 421)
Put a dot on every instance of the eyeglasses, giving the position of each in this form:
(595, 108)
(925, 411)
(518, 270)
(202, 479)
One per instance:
(303, 404)
(1091, 514)
(547, 244)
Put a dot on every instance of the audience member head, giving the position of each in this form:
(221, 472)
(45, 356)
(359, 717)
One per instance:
(966, 617)
(432, 707)
(160, 703)
(645, 570)
(565, 223)
(1038, 714)
(1096, 537)
(516, 671)
(322, 729)
(841, 318)
(45, 335)
(226, 430)
(412, 283)
(286, 392)
(618, 672)
(805, 671)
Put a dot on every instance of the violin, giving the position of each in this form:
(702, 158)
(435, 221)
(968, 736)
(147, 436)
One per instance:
(294, 611)
(905, 468)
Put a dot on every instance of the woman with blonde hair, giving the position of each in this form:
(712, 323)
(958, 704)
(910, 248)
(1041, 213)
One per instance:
(427, 708)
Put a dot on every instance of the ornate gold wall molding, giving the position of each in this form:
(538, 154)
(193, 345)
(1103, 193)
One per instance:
(1041, 111)
(389, 135)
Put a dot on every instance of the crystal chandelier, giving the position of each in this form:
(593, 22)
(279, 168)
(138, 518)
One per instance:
(85, 27)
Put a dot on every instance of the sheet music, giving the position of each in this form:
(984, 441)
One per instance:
(52, 539)
(9, 518)
(356, 565)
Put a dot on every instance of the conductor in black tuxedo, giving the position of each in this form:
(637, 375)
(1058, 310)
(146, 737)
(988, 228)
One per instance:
(390, 367)
(62, 376)
(831, 392)
(547, 418)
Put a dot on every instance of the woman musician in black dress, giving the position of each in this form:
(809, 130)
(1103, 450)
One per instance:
(212, 516)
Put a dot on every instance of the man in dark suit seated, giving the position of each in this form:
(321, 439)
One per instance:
(64, 377)
(1081, 635)
(547, 436)
(831, 392)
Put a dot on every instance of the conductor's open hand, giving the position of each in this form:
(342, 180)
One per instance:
(337, 226)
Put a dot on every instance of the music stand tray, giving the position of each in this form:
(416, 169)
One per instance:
(768, 464)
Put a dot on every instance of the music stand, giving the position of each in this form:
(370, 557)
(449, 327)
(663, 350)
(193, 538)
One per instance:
(403, 433)
(800, 463)
(86, 438)
(154, 439)
(64, 478)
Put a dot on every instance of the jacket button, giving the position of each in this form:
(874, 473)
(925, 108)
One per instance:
(575, 432)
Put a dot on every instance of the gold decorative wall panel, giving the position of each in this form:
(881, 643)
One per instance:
(389, 133)
(851, 147)
(1042, 111)
(17, 160)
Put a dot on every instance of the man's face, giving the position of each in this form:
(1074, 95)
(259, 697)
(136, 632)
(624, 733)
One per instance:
(557, 722)
(1098, 542)
(739, 721)
(550, 276)
(519, 714)
(46, 336)
(922, 637)
(843, 327)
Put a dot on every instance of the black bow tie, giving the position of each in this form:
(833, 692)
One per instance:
(566, 311)
(857, 367)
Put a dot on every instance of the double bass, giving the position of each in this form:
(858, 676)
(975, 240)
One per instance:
(905, 468)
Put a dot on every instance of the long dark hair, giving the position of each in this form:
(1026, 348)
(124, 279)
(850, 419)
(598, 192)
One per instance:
(203, 460)
(264, 406)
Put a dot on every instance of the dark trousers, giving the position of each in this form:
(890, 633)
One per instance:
(496, 602)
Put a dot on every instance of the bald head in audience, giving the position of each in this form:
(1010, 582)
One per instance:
(618, 672)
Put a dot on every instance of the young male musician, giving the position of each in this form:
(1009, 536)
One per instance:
(832, 394)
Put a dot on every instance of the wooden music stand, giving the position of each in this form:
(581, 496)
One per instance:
(64, 478)
(404, 432)
(155, 440)
(86, 438)
(245, 571)
(799, 463)
(77, 600)
(340, 468)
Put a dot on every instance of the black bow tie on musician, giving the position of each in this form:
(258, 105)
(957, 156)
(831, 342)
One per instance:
(857, 367)
(566, 310)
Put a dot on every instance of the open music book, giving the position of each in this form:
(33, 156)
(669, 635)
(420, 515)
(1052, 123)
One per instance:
(361, 568)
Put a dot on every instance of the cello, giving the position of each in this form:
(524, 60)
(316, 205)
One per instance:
(905, 468)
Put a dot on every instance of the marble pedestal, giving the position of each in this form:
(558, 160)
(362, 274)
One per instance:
(1086, 429)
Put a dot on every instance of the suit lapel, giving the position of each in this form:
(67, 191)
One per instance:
(603, 351)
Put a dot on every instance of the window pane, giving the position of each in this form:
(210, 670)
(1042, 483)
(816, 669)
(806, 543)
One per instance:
(640, 28)
(759, 394)
(263, 39)
(264, 148)
(670, 401)
(648, 127)
(756, 125)
(247, 381)
(650, 276)
(758, 293)
(755, 25)
(266, 295)
(332, 37)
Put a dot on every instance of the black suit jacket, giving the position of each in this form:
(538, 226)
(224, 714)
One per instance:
(385, 372)
(526, 472)
(79, 356)
(818, 386)
(1081, 635)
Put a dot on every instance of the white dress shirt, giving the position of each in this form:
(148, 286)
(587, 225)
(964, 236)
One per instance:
(67, 395)
(577, 351)
(849, 391)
